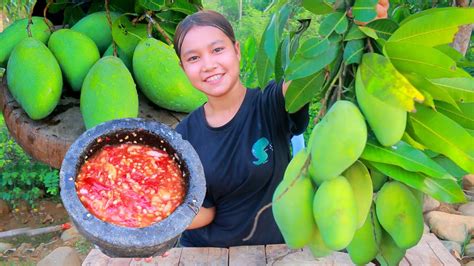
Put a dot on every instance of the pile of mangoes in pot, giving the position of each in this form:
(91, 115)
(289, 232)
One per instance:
(39, 63)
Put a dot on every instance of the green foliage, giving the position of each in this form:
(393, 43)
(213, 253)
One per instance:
(21, 178)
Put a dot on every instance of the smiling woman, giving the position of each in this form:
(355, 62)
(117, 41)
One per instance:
(241, 135)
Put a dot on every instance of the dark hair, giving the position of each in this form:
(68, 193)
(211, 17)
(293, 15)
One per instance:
(201, 18)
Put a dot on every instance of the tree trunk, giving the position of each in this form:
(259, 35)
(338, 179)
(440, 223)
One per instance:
(462, 38)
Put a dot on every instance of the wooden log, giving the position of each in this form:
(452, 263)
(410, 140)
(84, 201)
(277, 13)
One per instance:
(247, 255)
(47, 140)
(204, 256)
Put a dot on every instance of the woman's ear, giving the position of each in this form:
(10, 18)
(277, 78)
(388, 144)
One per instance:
(237, 49)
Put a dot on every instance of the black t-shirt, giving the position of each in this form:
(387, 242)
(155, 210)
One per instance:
(244, 160)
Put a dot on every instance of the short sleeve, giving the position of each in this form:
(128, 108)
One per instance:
(208, 201)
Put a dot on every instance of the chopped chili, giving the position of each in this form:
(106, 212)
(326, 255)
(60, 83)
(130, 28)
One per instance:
(130, 185)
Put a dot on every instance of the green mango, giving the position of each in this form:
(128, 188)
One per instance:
(361, 183)
(400, 214)
(34, 78)
(293, 211)
(76, 54)
(389, 253)
(108, 93)
(317, 247)
(159, 76)
(378, 179)
(16, 32)
(126, 59)
(337, 141)
(335, 212)
(387, 122)
(96, 27)
(365, 244)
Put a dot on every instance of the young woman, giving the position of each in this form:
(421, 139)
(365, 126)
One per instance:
(241, 135)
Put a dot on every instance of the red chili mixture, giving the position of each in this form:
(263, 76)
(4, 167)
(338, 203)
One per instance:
(130, 185)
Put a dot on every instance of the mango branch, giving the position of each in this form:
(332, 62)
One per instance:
(30, 20)
(325, 100)
(158, 27)
(300, 174)
(45, 11)
(109, 20)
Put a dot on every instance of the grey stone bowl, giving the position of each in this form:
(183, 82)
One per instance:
(119, 241)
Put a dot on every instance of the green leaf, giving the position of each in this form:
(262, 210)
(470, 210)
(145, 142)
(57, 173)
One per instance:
(406, 157)
(364, 10)
(334, 22)
(450, 51)
(408, 139)
(383, 27)
(461, 89)
(295, 36)
(273, 32)
(282, 58)
(354, 33)
(433, 28)
(319, 7)
(369, 32)
(184, 7)
(444, 190)
(436, 92)
(450, 166)
(464, 117)
(72, 14)
(443, 135)
(425, 61)
(264, 67)
(153, 5)
(353, 52)
(126, 35)
(334, 38)
(313, 47)
(428, 98)
(301, 67)
(301, 91)
(382, 80)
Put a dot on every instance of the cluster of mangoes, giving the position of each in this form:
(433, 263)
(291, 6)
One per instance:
(37, 65)
(330, 201)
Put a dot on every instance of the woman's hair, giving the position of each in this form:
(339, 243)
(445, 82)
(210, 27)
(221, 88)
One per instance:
(201, 18)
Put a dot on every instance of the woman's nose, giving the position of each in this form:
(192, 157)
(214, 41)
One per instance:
(208, 63)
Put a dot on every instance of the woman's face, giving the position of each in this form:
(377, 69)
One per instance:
(210, 60)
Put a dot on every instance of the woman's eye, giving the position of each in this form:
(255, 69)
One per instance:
(192, 58)
(218, 49)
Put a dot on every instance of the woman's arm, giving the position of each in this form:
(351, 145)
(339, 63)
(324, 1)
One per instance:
(285, 86)
(204, 217)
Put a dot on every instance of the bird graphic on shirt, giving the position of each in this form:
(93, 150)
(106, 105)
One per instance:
(259, 150)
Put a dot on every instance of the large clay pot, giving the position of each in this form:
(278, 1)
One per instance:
(119, 241)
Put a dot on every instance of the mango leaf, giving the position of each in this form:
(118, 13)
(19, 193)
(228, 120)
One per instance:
(354, 33)
(334, 22)
(126, 35)
(301, 91)
(383, 27)
(406, 157)
(383, 81)
(301, 67)
(353, 52)
(72, 14)
(443, 135)
(445, 190)
(153, 5)
(450, 166)
(335, 38)
(438, 93)
(314, 47)
(183, 6)
(273, 32)
(408, 139)
(450, 51)
(369, 32)
(464, 116)
(295, 36)
(364, 10)
(319, 7)
(264, 67)
(282, 59)
(434, 28)
(428, 98)
(425, 61)
(461, 89)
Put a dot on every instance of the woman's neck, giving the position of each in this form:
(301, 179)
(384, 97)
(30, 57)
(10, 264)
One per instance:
(220, 110)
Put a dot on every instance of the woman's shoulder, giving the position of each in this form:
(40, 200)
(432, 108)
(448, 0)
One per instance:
(189, 121)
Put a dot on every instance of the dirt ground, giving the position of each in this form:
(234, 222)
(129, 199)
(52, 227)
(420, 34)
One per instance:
(31, 249)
